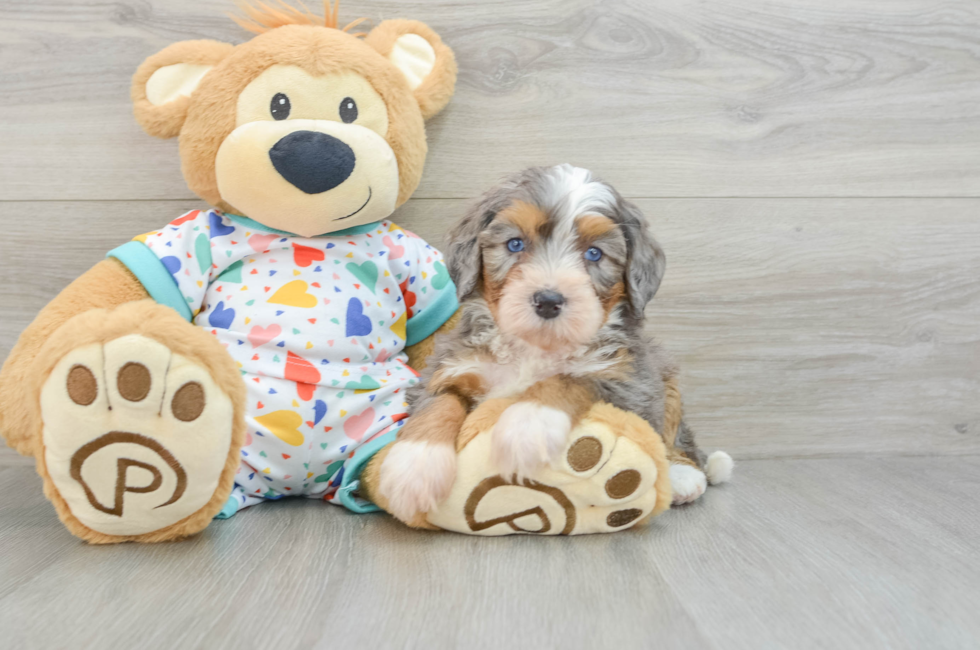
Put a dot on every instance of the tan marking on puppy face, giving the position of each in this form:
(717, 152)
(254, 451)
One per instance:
(593, 226)
(493, 290)
(530, 219)
(615, 296)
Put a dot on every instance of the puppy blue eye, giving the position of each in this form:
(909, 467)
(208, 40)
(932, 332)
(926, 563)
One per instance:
(593, 254)
(515, 245)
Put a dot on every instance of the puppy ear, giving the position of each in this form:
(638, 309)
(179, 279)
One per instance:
(646, 262)
(163, 84)
(427, 63)
(464, 256)
(464, 259)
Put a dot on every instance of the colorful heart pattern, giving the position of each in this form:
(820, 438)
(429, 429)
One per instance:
(366, 273)
(284, 425)
(357, 323)
(317, 327)
(304, 256)
(294, 294)
(355, 426)
(221, 317)
(259, 336)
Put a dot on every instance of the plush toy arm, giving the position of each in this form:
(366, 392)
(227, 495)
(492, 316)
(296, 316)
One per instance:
(106, 285)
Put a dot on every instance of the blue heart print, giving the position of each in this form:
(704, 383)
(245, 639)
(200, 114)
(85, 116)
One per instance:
(357, 323)
(222, 318)
(319, 410)
(171, 263)
(217, 228)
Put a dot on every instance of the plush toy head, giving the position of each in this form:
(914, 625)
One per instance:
(305, 128)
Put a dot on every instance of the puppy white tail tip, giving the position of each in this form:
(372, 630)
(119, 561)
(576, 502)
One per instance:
(719, 467)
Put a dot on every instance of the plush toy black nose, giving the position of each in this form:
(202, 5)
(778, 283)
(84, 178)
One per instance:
(313, 162)
(548, 304)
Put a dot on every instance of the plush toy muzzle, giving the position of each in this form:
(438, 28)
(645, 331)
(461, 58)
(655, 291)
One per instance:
(314, 162)
(308, 176)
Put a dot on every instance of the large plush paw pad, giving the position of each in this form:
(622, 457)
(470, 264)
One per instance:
(416, 476)
(601, 482)
(135, 436)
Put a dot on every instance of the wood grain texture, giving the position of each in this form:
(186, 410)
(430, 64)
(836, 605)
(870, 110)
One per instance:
(720, 98)
(790, 555)
(831, 345)
(802, 327)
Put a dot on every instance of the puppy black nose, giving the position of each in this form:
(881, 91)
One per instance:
(313, 162)
(548, 304)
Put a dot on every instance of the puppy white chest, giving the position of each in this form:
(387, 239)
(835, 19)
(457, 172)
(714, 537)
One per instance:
(517, 375)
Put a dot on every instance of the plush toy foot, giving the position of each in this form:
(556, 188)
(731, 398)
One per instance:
(139, 413)
(611, 475)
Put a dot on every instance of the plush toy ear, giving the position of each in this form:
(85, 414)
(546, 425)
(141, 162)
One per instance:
(427, 63)
(163, 84)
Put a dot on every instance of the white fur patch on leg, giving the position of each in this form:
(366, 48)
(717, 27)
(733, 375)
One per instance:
(719, 467)
(688, 483)
(527, 437)
(416, 477)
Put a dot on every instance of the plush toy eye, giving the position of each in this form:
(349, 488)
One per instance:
(280, 107)
(515, 245)
(593, 254)
(348, 110)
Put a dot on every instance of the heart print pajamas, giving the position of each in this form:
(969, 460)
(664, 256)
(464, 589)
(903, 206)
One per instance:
(318, 327)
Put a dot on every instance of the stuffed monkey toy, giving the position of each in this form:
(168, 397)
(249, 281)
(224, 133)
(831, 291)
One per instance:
(261, 348)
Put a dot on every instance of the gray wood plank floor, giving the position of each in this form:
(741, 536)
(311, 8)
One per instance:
(819, 553)
(812, 169)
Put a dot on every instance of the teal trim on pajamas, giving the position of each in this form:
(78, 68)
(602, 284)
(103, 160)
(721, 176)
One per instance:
(231, 507)
(153, 275)
(352, 472)
(255, 225)
(435, 316)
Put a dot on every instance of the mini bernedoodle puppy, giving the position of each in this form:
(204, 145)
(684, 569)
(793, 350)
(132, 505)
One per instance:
(554, 269)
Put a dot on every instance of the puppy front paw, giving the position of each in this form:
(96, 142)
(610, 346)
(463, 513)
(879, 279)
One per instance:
(527, 437)
(416, 477)
(688, 483)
